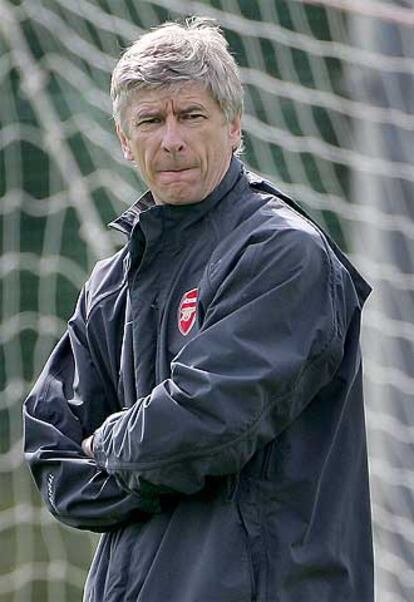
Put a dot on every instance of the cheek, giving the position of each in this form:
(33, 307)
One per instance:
(214, 147)
(143, 157)
(219, 150)
(150, 153)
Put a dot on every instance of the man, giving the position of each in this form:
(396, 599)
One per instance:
(204, 409)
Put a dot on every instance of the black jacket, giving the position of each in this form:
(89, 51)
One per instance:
(217, 358)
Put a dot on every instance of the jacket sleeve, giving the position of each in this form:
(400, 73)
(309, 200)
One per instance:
(67, 403)
(271, 337)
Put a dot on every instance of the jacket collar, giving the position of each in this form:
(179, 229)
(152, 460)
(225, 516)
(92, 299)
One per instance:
(126, 221)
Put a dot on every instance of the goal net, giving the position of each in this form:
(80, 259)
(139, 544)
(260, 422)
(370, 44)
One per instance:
(329, 118)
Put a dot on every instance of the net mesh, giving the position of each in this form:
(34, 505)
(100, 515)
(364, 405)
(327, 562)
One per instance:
(329, 118)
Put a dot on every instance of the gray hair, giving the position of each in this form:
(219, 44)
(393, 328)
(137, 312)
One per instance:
(194, 50)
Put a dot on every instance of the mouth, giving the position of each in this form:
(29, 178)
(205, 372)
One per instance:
(174, 174)
(175, 169)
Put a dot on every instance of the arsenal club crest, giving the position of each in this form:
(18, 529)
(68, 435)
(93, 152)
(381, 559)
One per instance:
(187, 311)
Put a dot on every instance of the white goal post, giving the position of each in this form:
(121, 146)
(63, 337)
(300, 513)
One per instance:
(329, 118)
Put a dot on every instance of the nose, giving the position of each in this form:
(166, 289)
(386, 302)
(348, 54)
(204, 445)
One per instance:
(172, 139)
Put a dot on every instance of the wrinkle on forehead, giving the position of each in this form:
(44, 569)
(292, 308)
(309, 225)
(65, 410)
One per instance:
(173, 96)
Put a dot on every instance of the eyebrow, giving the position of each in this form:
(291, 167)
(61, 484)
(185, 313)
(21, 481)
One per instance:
(145, 113)
(193, 107)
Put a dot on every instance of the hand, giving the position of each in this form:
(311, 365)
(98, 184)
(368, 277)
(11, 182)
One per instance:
(87, 447)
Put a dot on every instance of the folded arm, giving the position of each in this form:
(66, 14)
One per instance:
(67, 403)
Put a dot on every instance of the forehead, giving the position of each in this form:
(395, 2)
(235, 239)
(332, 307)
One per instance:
(178, 95)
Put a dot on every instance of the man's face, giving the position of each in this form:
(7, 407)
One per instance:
(179, 140)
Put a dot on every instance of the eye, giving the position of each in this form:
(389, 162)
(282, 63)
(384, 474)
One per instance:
(148, 121)
(193, 116)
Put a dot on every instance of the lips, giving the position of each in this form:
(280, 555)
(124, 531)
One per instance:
(175, 169)
(174, 175)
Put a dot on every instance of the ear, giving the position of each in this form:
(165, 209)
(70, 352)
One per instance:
(124, 141)
(235, 132)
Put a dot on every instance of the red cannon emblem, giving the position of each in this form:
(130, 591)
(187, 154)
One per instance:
(187, 311)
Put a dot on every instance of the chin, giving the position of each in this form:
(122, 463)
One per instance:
(179, 198)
